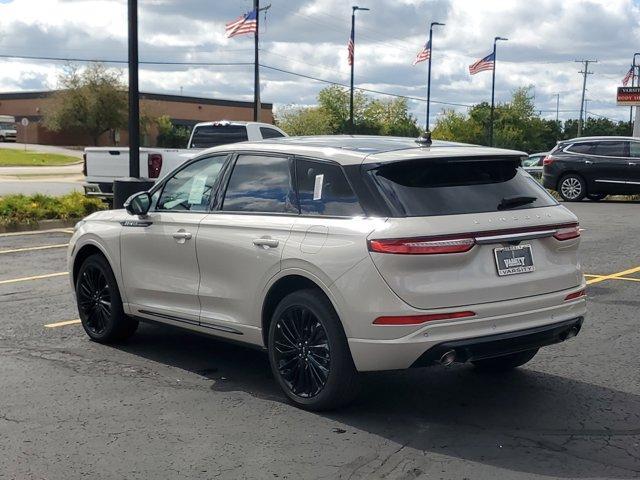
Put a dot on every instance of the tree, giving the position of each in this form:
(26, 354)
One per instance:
(331, 115)
(170, 136)
(91, 100)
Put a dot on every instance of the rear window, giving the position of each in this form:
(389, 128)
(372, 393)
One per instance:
(430, 187)
(213, 135)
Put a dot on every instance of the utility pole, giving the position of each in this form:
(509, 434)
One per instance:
(352, 61)
(634, 66)
(134, 104)
(493, 88)
(557, 107)
(584, 73)
(428, 130)
(257, 105)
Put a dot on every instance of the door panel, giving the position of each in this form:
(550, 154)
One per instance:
(238, 254)
(160, 272)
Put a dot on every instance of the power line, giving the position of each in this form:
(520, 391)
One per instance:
(206, 64)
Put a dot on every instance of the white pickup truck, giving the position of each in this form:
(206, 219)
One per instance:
(102, 165)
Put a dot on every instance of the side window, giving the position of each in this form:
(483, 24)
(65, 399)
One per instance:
(585, 147)
(612, 149)
(635, 149)
(267, 132)
(324, 190)
(190, 189)
(260, 184)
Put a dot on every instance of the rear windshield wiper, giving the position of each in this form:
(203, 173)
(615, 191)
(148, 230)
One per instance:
(511, 202)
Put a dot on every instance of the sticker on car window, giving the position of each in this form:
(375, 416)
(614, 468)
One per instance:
(197, 189)
(317, 188)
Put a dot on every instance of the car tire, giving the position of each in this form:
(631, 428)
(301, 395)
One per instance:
(596, 197)
(572, 188)
(505, 362)
(100, 304)
(309, 353)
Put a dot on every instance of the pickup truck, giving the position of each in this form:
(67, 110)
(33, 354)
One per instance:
(102, 165)
(7, 128)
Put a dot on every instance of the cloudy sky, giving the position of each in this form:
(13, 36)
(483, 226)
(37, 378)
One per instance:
(309, 37)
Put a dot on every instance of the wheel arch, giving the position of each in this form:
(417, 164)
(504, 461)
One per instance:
(280, 287)
(84, 252)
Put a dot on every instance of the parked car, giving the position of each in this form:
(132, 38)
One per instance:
(102, 165)
(593, 167)
(340, 255)
(533, 164)
(8, 130)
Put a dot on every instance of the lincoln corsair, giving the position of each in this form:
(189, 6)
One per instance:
(340, 255)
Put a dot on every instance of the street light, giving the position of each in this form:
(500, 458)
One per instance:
(353, 60)
(433, 24)
(493, 87)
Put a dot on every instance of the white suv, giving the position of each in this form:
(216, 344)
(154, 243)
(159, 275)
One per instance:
(340, 255)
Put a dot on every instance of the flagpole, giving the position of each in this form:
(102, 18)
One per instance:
(493, 89)
(428, 130)
(256, 66)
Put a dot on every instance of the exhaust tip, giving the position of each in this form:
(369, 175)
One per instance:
(573, 331)
(447, 358)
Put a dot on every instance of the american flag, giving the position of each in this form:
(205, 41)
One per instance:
(246, 23)
(350, 48)
(627, 77)
(424, 54)
(486, 63)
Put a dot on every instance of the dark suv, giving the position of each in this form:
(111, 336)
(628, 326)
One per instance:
(593, 167)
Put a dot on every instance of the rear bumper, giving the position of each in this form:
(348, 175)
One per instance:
(489, 346)
(496, 331)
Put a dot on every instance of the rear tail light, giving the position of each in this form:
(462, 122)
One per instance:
(420, 319)
(548, 160)
(417, 246)
(567, 233)
(154, 162)
(574, 295)
(84, 164)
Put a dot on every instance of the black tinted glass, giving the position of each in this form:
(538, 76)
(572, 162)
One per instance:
(270, 133)
(214, 135)
(432, 187)
(586, 147)
(260, 184)
(324, 190)
(611, 149)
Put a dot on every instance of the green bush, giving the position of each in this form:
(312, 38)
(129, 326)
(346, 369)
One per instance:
(29, 209)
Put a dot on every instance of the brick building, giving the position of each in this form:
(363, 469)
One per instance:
(183, 111)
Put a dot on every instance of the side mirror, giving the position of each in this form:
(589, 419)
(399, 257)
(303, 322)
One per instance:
(138, 203)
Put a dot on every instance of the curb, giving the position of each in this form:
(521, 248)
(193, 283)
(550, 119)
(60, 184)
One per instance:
(41, 225)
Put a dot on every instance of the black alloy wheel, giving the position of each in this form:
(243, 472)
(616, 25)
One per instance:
(94, 299)
(309, 354)
(100, 304)
(302, 353)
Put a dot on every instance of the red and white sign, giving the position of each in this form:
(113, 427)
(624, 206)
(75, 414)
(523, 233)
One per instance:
(628, 96)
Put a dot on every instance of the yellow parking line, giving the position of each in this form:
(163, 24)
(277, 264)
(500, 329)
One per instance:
(63, 324)
(37, 232)
(31, 249)
(628, 279)
(35, 277)
(602, 278)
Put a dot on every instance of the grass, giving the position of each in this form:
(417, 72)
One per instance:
(20, 158)
(29, 209)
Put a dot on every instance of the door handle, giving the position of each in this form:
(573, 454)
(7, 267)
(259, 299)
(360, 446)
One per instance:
(588, 161)
(266, 242)
(182, 236)
(633, 163)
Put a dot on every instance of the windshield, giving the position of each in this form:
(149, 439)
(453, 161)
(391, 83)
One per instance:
(434, 187)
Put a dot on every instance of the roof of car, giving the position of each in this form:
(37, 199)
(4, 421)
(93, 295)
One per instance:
(598, 138)
(354, 149)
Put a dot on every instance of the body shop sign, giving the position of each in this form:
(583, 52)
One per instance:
(628, 96)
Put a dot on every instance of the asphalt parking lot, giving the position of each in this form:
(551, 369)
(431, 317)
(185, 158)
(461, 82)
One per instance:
(170, 404)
